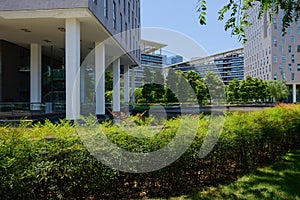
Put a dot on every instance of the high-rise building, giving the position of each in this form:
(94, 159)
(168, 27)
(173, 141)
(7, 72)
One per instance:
(228, 65)
(269, 55)
(43, 44)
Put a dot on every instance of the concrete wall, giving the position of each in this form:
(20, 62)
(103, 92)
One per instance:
(41, 4)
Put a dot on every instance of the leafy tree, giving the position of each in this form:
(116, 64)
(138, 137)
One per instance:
(148, 76)
(215, 86)
(198, 85)
(171, 85)
(278, 89)
(238, 13)
(233, 91)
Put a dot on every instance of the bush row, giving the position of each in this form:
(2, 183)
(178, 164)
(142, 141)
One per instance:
(50, 161)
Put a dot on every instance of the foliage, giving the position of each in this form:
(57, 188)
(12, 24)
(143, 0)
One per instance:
(278, 89)
(237, 11)
(215, 86)
(49, 161)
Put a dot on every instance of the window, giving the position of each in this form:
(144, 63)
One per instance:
(126, 33)
(293, 40)
(280, 68)
(283, 58)
(124, 4)
(289, 48)
(280, 49)
(275, 23)
(298, 48)
(283, 76)
(114, 15)
(105, 9)
(275, 58)
(293, 76)
(293, 58)
(290, 67)
(298, 30)
(275, 41)
(121, 24)
(95, 1)
(128, 12)
(298, 67)
(275, 76)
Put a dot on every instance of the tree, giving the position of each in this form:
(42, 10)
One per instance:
(278, 89)
(198, 85)
(233, 91)
(171, 85)
(215, 86)
(238, 13)
(148, 76)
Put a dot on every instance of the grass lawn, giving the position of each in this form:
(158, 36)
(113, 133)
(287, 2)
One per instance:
(278, 181)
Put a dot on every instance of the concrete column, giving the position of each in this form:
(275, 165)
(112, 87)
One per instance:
(294, 93)
(72, 69)
(116, 84)
(126, 85)
(132, 86)
(100, 78)
(35, 76)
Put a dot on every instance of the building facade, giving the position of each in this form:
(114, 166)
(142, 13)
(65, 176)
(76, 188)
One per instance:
(43, 44)
(271, 56)
(228, 65)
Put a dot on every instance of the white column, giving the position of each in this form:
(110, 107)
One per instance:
(116, 84)
(126, 85)
(132, 86)
(35, 75)
(100, 78)
(294, 93)
(72, 69)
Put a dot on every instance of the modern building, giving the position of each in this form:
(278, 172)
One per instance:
(229, 65)
(271, 56)
(43, 44)
(151, 58)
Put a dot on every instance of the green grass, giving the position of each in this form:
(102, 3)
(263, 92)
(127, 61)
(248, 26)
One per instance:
(278, 181)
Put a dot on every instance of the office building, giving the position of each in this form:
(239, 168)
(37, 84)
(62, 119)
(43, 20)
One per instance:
(43, 43)
(228, 65)
(271, 56)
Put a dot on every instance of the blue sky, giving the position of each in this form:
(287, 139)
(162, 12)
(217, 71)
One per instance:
(181, 16)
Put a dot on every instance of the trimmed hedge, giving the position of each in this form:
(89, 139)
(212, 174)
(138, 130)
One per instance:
(50, 162)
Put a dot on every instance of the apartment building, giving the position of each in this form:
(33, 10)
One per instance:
(43, 43)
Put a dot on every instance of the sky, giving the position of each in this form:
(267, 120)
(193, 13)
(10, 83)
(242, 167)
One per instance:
(180, 17)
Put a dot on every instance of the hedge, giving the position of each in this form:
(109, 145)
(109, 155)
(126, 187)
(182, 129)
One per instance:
(49, 161)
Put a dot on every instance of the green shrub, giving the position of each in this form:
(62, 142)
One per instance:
(49, 161)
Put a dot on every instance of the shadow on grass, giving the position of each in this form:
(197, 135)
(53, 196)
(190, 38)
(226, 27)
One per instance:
(278, 181)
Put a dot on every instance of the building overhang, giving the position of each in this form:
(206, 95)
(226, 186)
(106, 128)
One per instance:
(47, 27)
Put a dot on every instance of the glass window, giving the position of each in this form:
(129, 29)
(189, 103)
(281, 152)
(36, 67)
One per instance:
(275, 76)
(114, 15)
(293, 76)
(128, 12)
(290, 67)
(298, 67)
(298, 30)
(280, 68)
(105, 8)
(95, 1)
(280, 49)
(275, 40)
(121, 23)
(283, 58)
(292, 39)
(283, 76)
(293, 58)
(275, 58)
(124, 4)
(289, 48)
(298, 48)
